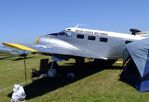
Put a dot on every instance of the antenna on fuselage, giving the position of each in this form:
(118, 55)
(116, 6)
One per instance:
(78, 25)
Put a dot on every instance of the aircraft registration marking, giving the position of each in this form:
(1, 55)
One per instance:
(91, 32)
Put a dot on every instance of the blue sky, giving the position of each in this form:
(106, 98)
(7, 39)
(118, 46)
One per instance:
(23, 20)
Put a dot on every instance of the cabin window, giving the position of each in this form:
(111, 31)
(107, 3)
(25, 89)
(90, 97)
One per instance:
(91, 37)
(80, 36)
(102, 39)
(126, 42)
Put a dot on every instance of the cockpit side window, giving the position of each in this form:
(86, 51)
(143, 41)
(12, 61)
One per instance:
(61, 33)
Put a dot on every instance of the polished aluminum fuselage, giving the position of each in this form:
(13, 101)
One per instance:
(113, 48)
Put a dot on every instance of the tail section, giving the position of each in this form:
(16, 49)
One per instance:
(134, 31)
(139, 32)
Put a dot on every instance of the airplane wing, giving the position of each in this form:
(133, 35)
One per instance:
(60, 48)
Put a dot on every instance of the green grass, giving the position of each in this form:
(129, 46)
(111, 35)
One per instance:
(90, 84)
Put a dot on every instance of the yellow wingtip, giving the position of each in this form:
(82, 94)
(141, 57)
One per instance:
(19, 46)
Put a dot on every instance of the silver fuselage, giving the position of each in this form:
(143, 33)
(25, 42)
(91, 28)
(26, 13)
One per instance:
(109, 45)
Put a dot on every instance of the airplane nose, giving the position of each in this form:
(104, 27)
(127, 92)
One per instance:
(41, 40)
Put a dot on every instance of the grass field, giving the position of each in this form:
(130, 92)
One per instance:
(93, 83)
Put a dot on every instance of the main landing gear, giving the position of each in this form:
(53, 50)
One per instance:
(53, 66)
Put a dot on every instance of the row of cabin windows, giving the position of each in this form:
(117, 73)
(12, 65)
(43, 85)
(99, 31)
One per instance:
(102, 39)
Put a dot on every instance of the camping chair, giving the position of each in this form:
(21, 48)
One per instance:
(43, 69)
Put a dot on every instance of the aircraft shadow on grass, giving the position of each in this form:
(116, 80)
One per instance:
(5, 57)
(42, 86)
(13, 58)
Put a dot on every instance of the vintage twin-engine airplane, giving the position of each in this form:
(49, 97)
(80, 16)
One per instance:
(80, 43)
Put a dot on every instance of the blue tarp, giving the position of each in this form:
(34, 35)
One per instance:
(136, 72)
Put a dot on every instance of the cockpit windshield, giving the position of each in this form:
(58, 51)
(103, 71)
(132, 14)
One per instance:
(61, 33)
(56, 34)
